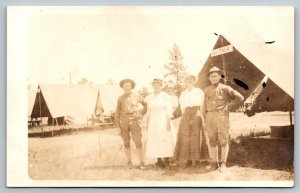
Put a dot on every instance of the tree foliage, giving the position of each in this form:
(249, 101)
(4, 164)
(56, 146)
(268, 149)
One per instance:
(176, 71)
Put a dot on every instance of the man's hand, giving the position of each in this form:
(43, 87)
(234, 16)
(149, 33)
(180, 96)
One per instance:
(118, 130)
(223, 108)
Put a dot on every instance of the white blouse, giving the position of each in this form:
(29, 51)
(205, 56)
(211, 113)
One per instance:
(162, 100)
(191, 98)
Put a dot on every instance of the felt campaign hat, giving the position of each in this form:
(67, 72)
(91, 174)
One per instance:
(122, 82)
(215, 69)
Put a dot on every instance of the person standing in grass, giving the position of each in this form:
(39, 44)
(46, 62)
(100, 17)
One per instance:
(190, 138)
(127, 120)
(160, 142)
(219, 99)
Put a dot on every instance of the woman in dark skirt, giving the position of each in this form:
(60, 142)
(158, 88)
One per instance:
(190, 138)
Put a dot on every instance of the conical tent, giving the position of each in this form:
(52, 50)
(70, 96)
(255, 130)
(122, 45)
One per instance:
(244, 76)
(272, 98)
(239, 71)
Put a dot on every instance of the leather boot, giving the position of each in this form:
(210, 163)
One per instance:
(214, 158)
(140, 156)
(128, 157)
(224, 155)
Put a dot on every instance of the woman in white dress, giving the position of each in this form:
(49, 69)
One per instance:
(161, 142)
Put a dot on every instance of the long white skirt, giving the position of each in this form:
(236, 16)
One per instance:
(161, 142)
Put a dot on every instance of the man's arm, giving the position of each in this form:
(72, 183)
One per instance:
(144, 103)
(118, 111)
(236, 97)
(177, 113)
(204, 108)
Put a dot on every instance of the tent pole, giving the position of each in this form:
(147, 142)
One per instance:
(53, 123)
(290, 113)
(40, 105)
(223, 62)
(52, 129)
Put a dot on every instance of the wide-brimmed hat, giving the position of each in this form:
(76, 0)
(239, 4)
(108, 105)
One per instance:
(122, 82)
(157, 80)
(215, 69)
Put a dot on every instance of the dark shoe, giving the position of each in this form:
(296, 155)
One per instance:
(166, 164)
(197, 164)
(213, 166)
(158, 164)
(129, 165)
(188, 164)
(141, 166)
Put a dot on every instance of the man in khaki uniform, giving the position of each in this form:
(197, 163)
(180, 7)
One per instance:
(127, 120)
(219, 98)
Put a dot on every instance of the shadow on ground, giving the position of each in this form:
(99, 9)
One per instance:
(262, 153)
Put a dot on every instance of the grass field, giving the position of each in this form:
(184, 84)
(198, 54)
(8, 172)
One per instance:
(98, 155)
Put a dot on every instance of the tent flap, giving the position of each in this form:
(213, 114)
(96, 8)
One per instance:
(271, 98)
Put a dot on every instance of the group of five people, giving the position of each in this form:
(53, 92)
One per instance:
(204, 122)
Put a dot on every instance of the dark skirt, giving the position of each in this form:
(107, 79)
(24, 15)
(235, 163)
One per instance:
(191, 144)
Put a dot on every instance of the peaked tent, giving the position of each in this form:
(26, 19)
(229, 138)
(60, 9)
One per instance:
(244, 76)
(271, 98)
(237, 67)
(109, 94)
(76, 102)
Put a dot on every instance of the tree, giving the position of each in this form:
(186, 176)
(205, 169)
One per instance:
(175, 69)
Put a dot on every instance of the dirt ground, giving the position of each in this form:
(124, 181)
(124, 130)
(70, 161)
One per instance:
(98, 155)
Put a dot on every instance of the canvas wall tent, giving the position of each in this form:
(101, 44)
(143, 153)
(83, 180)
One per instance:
(75, 103)
(240, 69)
(109, 94)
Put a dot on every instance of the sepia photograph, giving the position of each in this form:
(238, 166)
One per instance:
(156, 96)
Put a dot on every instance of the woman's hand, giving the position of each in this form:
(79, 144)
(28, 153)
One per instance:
(168, 124)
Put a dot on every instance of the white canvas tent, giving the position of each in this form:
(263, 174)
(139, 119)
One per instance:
(77, 102)
(109, 94)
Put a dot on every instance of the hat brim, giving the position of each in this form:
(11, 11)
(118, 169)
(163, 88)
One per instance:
(122, 82)
(217, 71)
(160, 82)
(191, 76)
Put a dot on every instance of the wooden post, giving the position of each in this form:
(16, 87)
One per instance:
(223, 62)
(52, 125)
(40, 108)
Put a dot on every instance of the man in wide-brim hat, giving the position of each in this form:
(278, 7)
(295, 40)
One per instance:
(215, 69)
(122, 82)
(218, 100)
(127, 119)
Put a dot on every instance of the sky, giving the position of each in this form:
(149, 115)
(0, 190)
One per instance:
(103, 43)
